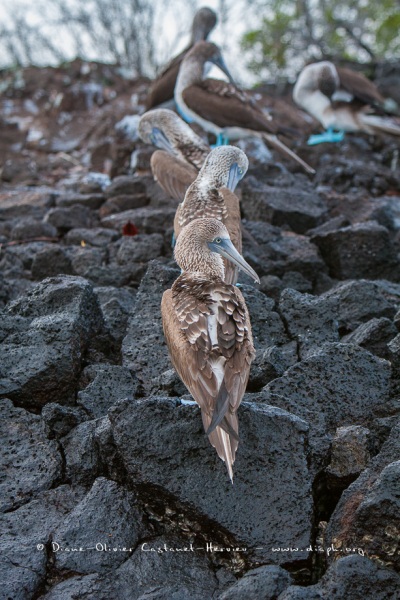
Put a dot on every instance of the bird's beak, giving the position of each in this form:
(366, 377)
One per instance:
(159, 139)
(234, 177)
(228, 251)
(219, 62)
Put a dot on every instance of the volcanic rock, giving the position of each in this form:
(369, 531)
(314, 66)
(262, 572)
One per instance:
(164, 448)
(29, 462)
(44, 335)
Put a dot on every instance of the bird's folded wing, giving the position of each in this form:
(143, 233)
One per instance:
(172, 174)
(225, 105)
(360, 87)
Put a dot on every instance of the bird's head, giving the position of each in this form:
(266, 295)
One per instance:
(204, 21)
(201, 245)
(225, 166)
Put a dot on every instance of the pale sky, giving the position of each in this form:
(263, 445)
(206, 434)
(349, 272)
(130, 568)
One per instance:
(173, 17)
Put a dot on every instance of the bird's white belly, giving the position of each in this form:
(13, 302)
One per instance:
(341, 119)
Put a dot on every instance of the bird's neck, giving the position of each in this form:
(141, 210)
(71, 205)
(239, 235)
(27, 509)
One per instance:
(209, 265)
(190, 73)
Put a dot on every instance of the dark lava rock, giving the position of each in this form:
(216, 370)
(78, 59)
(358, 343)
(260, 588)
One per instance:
(29, 227)
(126, 185)
(59, 420)
(367, 514)
(44, 334)
(320, 390)
(140, 248)
(266, 324)
(167, 455)
(360, 250)
(25, 534)
(310, 321)
(124, 202)
(144, 350)
(116, 305)
(82, 457)
(30, 463)
(359, 301)
(264, 582)
(300, 209)
(146, 219)
(352, 577)
(374, 336)
(276, 252)
(26, 202)
(153, 572)
(74, 217)
(349, 454)
(107, 515)
(98, 236)
(51, 261)
(109, 383)
(93, 201)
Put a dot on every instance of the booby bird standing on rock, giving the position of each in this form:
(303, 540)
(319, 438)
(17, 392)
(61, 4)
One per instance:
(208, 332)
(211, 196)
(162, 88)
(341, 100)
(220, 107)
(182, 152)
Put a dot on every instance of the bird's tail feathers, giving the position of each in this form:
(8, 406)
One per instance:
(381, 124)
(221, 406)
(274, 141)
(224, 439)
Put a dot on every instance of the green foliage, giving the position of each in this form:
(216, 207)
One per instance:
(293, 32)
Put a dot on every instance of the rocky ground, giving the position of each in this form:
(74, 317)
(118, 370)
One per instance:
(107, 476)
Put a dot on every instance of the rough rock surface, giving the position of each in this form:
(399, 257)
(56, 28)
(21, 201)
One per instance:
(32, 466)
(354, 577)
(367, 514)
(97, 444)
(164, 448)
(43, 337)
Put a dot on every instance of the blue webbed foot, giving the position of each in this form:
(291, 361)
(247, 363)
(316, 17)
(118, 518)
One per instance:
(173, 241)
(328, 136)
(239, 285)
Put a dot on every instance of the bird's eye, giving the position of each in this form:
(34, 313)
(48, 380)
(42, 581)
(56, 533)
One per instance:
(240, 171)
(217, 240)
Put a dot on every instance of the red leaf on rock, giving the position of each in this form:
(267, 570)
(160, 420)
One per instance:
(130, 229)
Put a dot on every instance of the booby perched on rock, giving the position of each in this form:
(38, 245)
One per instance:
(220, 107)
(342, 100)
(208, 332)
(182, 152)
(211, 196)
(162, 88)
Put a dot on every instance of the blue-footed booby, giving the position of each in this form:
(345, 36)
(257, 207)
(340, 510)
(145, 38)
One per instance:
(208, 332)
(211, 195)
(342, 100)
(182, 152)
(162, 88)
(220, 107)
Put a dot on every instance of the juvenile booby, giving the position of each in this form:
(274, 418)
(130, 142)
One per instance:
(211, 195)
(220, 107)
(162, 88)
(208, 332)
(182, 152)
(341, 100)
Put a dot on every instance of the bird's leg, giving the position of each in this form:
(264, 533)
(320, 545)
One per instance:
(173, 240)
(222, 140)
(330, 135)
